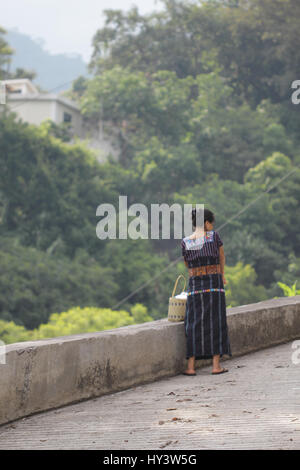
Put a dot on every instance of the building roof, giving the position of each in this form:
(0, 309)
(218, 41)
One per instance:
(33, 93)
(21, 81)
(44, 97)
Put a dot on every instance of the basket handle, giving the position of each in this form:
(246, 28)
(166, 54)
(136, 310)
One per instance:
(174, 290)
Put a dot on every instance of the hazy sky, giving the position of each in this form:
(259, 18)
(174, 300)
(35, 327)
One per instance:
(66, 25)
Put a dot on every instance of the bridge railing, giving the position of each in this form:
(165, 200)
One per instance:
(46, 374)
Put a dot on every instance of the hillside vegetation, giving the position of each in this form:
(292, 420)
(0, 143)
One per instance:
(201, 95)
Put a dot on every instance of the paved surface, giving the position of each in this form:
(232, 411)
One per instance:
(256, 405)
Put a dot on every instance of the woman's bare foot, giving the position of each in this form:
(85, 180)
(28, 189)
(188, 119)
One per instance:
(221, 371)
(190, 371)
(217, 369)
(190, 366)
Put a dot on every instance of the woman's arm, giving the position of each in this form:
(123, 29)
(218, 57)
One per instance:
(222, 258)
(222, 261)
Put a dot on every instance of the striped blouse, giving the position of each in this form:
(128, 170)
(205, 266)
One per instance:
(202, 250)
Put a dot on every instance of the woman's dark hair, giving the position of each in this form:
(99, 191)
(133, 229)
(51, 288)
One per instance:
(207, 216)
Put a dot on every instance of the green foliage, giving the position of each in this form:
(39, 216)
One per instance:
(5, 59)
(139, 313)
(197, 118)
(135, 264)
(283, 199)
(12, 333)
(44, 190)
(74, 321)
(61, 131)
(194, 97)
(289, 291)
(152, 106)
(242, 288)
(289, 275)
(5, 52)
(249, 41)
(34, 283)
(82, 320)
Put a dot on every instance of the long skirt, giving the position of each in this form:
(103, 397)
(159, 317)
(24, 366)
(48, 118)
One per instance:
(205, 319)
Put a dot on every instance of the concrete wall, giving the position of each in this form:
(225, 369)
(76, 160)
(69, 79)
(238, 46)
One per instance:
(102, 137)
(35, 111)
(76, 123)
(46, 374)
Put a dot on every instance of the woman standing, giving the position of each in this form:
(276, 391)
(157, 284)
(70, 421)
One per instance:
(205, 320)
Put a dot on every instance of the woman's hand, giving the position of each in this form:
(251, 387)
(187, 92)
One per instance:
(224, 280)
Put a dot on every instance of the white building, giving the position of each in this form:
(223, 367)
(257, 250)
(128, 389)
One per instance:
(32, 106)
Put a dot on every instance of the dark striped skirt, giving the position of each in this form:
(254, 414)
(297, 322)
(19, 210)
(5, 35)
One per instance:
(205, 319)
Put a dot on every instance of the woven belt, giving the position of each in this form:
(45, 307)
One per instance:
(202, 270)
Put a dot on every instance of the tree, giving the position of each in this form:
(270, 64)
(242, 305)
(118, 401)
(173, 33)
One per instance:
(5, 55)
(289, 291)
(74, 321)
(242, 288)
(283, 199)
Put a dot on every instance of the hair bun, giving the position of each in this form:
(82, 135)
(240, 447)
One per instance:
(203, 215)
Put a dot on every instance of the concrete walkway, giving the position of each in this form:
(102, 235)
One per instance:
(256, 405)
